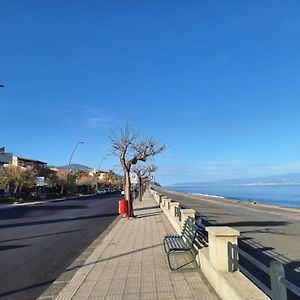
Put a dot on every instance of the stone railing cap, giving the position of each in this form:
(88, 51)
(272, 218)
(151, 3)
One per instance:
(175, 203)
(222, 231)
(187, 210)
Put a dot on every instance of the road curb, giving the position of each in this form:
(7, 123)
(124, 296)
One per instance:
(56, 287)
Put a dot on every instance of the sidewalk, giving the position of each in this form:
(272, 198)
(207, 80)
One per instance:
(130, 263)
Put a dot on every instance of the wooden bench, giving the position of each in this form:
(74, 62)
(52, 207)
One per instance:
(181, 243)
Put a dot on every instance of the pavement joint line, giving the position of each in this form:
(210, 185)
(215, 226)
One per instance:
(52, 292)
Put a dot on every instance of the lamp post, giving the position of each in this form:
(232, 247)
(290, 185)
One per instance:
(79, 142)
(104, 158)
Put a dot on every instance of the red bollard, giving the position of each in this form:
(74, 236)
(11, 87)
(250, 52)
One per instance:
(123, 208)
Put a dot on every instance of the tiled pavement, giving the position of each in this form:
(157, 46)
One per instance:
(130, 263)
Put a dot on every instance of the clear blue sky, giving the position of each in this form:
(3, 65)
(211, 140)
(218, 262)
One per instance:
(217, 81)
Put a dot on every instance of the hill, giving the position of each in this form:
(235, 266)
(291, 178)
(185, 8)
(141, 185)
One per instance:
(283, 179)
(76, 167)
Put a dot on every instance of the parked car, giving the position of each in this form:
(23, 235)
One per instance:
(102, 191)
(108, 190)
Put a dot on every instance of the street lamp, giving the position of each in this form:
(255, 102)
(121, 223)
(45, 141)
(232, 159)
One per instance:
(101, 163)
(79, 142)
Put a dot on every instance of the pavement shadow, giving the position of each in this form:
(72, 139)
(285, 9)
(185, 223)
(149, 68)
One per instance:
(38, 236)
(36, 210)
(119, 255)
(8, 294)
(147, 215)
(254, 223)
(10, 247)
(41, 222)
(148, 207)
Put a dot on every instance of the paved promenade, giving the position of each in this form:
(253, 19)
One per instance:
(130, 263)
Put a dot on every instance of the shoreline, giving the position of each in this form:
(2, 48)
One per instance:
(237, 202)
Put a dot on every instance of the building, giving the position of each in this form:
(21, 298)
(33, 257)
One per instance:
(10, 159)
(27, 162)
(98, 173)
(5, 158)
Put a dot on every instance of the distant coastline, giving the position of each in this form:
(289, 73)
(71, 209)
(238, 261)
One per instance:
(294, 210)
(283, 195)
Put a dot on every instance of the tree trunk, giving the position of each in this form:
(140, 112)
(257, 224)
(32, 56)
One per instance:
(140, 188)
(20, 190)
(16, 190)
(127, 193)
(62, 189)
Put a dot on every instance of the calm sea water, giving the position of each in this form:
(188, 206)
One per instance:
(283, 195)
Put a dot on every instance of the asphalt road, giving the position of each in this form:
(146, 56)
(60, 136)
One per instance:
(37, 243)
(266, 232)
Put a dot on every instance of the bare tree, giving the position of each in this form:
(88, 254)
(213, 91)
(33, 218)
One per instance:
(144, 176)
(131, 149)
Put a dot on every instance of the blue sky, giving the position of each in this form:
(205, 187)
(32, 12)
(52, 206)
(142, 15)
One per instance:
(217, 81)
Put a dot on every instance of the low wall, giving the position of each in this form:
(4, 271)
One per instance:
(213, 260)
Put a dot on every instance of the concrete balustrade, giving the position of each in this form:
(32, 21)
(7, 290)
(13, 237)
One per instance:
(159, 199)
(167, 203)
(173, 207)
(218, 239)
(163, 202)
(185, 213)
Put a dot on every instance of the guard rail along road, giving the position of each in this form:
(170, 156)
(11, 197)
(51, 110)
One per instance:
(217, 254)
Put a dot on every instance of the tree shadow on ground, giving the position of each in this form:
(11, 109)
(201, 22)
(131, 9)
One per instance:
(36, 210)
(147, 215)
(148, 207)
(10, 247)
(24, 289)
(57, 220)
(38, 236)
(254, 223)
(118, 256)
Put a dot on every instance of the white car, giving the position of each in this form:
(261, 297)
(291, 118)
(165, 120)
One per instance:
(100, 192)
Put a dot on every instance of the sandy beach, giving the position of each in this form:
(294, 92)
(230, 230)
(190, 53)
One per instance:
(266, 231)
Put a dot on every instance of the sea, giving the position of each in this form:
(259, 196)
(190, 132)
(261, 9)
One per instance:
(281, 195)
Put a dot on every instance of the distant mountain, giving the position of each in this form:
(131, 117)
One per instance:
(288, 179)
(76, 167)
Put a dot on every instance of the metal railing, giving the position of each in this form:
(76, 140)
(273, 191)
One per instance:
(279, 283)
(177, 212)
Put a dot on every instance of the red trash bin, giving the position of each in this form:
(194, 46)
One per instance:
(123, 207)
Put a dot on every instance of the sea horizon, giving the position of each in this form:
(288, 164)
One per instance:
(285, 195)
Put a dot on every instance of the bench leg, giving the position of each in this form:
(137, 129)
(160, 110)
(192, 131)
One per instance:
(169, 261)
(174, 269)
